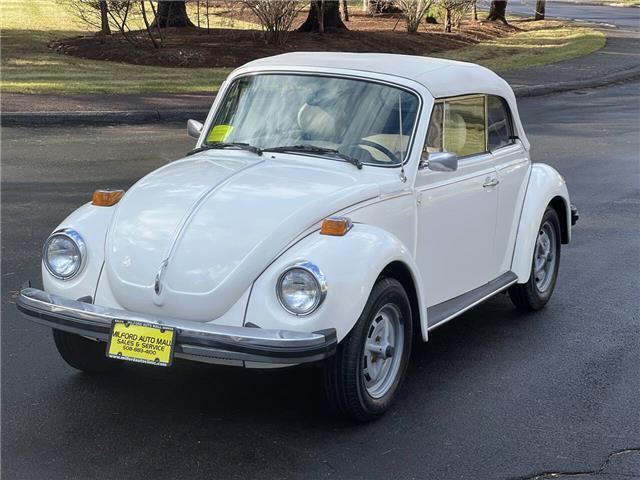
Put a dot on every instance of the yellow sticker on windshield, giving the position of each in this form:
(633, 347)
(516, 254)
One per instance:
(219, 133)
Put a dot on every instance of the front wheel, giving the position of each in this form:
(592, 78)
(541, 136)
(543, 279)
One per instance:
(535, 294)
(362, 378)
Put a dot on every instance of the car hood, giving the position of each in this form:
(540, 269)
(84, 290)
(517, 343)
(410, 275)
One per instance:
(202, 229)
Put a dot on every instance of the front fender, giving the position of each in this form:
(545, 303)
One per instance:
(91, 222)
(545, 185)
(351, 265)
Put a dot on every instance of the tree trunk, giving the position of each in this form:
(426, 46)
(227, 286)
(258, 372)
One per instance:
(344, 10)
(498, 11)
(447, 20)
(104, 18)
(475, 10)
(172, 14)
(540, 8)
(321, 16)
(325, 14)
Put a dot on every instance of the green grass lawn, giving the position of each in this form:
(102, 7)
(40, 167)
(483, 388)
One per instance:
(624, 3)
(542, 43)
(29, 66)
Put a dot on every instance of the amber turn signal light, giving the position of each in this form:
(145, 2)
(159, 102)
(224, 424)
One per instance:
(336, 226)
(106, 198)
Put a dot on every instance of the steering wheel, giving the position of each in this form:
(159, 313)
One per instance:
(392, 156)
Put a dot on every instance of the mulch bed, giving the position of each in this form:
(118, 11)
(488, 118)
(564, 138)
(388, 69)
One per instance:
(197, 47)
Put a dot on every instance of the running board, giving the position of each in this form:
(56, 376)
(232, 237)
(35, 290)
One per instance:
(445, 311)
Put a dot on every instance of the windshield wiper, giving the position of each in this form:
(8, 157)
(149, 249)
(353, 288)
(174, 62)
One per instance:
(314, 149)
(222, 145)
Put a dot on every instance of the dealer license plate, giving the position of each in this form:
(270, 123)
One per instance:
(141, 342)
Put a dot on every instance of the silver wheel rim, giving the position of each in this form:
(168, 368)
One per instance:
(544, 260)
(383, 349)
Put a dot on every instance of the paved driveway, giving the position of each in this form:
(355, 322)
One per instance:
(493, 395)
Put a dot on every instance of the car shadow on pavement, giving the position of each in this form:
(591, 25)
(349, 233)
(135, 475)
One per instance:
(192, 393)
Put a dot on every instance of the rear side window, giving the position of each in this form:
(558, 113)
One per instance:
(499, 124)
(458, 126)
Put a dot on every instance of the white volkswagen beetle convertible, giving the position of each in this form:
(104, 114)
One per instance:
(336, 206)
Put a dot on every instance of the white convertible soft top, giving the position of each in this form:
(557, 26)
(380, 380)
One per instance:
(441, 77)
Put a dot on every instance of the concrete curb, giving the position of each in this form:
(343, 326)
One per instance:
(177, 115)
(538, 90)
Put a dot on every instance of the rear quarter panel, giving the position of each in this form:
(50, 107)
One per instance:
(545, 184)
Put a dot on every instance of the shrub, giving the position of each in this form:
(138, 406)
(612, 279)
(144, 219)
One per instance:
(276, 17)
(453, 12)
(413, 11)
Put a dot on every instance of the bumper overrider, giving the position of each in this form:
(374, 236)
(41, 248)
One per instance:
(575, 216)
(194, 340)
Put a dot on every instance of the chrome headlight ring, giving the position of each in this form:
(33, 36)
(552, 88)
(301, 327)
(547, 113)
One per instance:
(78, 246)
(309, 270)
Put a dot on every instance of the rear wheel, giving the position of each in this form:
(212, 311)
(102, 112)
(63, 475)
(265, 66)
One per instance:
(82, 353)
(362, 378)
(535, 294)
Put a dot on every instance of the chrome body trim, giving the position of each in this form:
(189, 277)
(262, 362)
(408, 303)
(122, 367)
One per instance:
(575, 216)
(79, 242)
(320, 280)
(194, 339)
(194, 128)
(491, 182)
(440, 162)
(445, 311)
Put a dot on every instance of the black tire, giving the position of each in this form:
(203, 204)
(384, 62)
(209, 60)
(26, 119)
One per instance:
(344, 371)
(528, 296)
(82, 353)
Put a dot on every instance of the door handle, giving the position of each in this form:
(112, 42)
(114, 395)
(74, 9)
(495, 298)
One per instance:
(490, 182)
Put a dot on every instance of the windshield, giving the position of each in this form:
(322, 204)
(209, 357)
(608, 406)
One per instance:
(317, 115)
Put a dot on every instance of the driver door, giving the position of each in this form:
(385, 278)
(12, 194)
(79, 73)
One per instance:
(457, 211)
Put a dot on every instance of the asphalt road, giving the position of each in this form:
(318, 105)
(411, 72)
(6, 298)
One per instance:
(623, 17)
(494, 394)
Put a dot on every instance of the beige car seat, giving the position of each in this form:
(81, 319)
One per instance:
(316, 122)
(455, 133)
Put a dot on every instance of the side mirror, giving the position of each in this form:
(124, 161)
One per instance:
(440, 162)
(194, 128)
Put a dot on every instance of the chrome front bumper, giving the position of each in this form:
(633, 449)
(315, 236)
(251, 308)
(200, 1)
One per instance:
(194, 340)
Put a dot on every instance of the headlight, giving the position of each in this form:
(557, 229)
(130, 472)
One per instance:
(63, 254)
(301, 288)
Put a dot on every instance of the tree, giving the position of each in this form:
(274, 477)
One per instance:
(540, 8)
(498, 11)
(344, 10)
(324, 16)
(172, 13)
(94, 13)
(104, 18)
